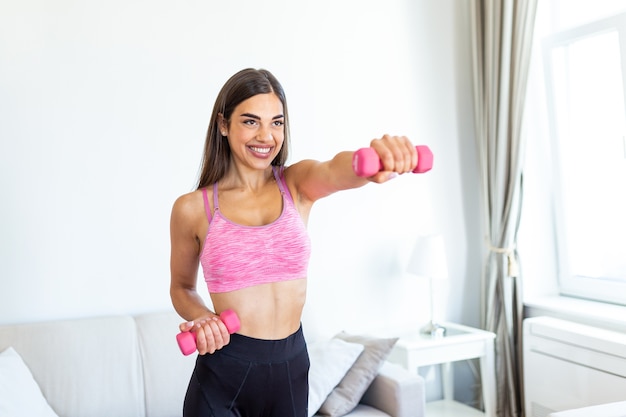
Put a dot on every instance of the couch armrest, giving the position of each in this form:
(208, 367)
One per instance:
(397, 392)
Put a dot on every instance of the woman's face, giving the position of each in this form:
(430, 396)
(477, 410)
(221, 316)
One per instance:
(256, 130)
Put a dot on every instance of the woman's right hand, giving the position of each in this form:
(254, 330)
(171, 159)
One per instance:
(211, 333)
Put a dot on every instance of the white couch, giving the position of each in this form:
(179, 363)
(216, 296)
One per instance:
(122, 366)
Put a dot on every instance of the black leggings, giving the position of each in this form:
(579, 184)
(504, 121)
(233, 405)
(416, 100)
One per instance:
(251, 378)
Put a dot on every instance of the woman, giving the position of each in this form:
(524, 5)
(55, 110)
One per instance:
(246, 225)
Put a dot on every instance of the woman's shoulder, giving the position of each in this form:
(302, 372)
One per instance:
(295, 171)
(190, 204)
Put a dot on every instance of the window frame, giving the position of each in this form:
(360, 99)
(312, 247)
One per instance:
(610, 290)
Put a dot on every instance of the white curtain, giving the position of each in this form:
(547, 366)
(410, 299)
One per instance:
(501, 45)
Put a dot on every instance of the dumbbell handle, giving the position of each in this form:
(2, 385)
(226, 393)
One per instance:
(365, 161)
(187, 340)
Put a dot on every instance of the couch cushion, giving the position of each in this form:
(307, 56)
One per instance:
(166, 370)
(84, 367)
(396, 391)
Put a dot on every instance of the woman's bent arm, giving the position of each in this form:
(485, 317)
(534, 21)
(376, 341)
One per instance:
(211, 334)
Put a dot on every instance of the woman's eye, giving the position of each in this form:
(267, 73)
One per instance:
(249, 122)
(279, 122)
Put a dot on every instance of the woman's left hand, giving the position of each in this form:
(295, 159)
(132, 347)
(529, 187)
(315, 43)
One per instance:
(397, 154)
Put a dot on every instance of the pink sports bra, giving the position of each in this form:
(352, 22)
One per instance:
(235, 256)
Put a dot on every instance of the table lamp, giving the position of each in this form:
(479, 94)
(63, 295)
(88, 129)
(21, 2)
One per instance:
(428, 260)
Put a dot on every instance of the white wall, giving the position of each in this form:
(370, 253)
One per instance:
(103, 111)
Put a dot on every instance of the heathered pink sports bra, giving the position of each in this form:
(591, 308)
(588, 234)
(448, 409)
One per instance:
(235, 256)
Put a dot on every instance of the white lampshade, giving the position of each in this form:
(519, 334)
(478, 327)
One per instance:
(429, 258)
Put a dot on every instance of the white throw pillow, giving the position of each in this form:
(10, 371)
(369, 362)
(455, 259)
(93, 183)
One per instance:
(330, 361)
(20, 395)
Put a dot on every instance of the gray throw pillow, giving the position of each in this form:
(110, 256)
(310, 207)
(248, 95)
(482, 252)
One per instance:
(346, 396)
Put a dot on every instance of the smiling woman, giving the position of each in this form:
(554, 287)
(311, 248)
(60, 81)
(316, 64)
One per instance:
(246, 225)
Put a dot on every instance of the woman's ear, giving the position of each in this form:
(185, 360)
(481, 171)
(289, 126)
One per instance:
(222, 124)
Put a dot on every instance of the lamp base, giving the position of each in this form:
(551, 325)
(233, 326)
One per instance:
(433, 329)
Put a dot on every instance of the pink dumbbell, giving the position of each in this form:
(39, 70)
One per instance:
(365, 161)
(187, 340)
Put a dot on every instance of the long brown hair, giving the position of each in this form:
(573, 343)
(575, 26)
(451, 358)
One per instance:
(241, 86)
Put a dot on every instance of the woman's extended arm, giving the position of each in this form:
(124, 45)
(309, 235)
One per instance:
(313, 180)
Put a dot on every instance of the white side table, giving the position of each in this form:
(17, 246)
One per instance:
(459, 343)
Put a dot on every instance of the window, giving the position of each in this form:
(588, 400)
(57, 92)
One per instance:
(585, 80)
